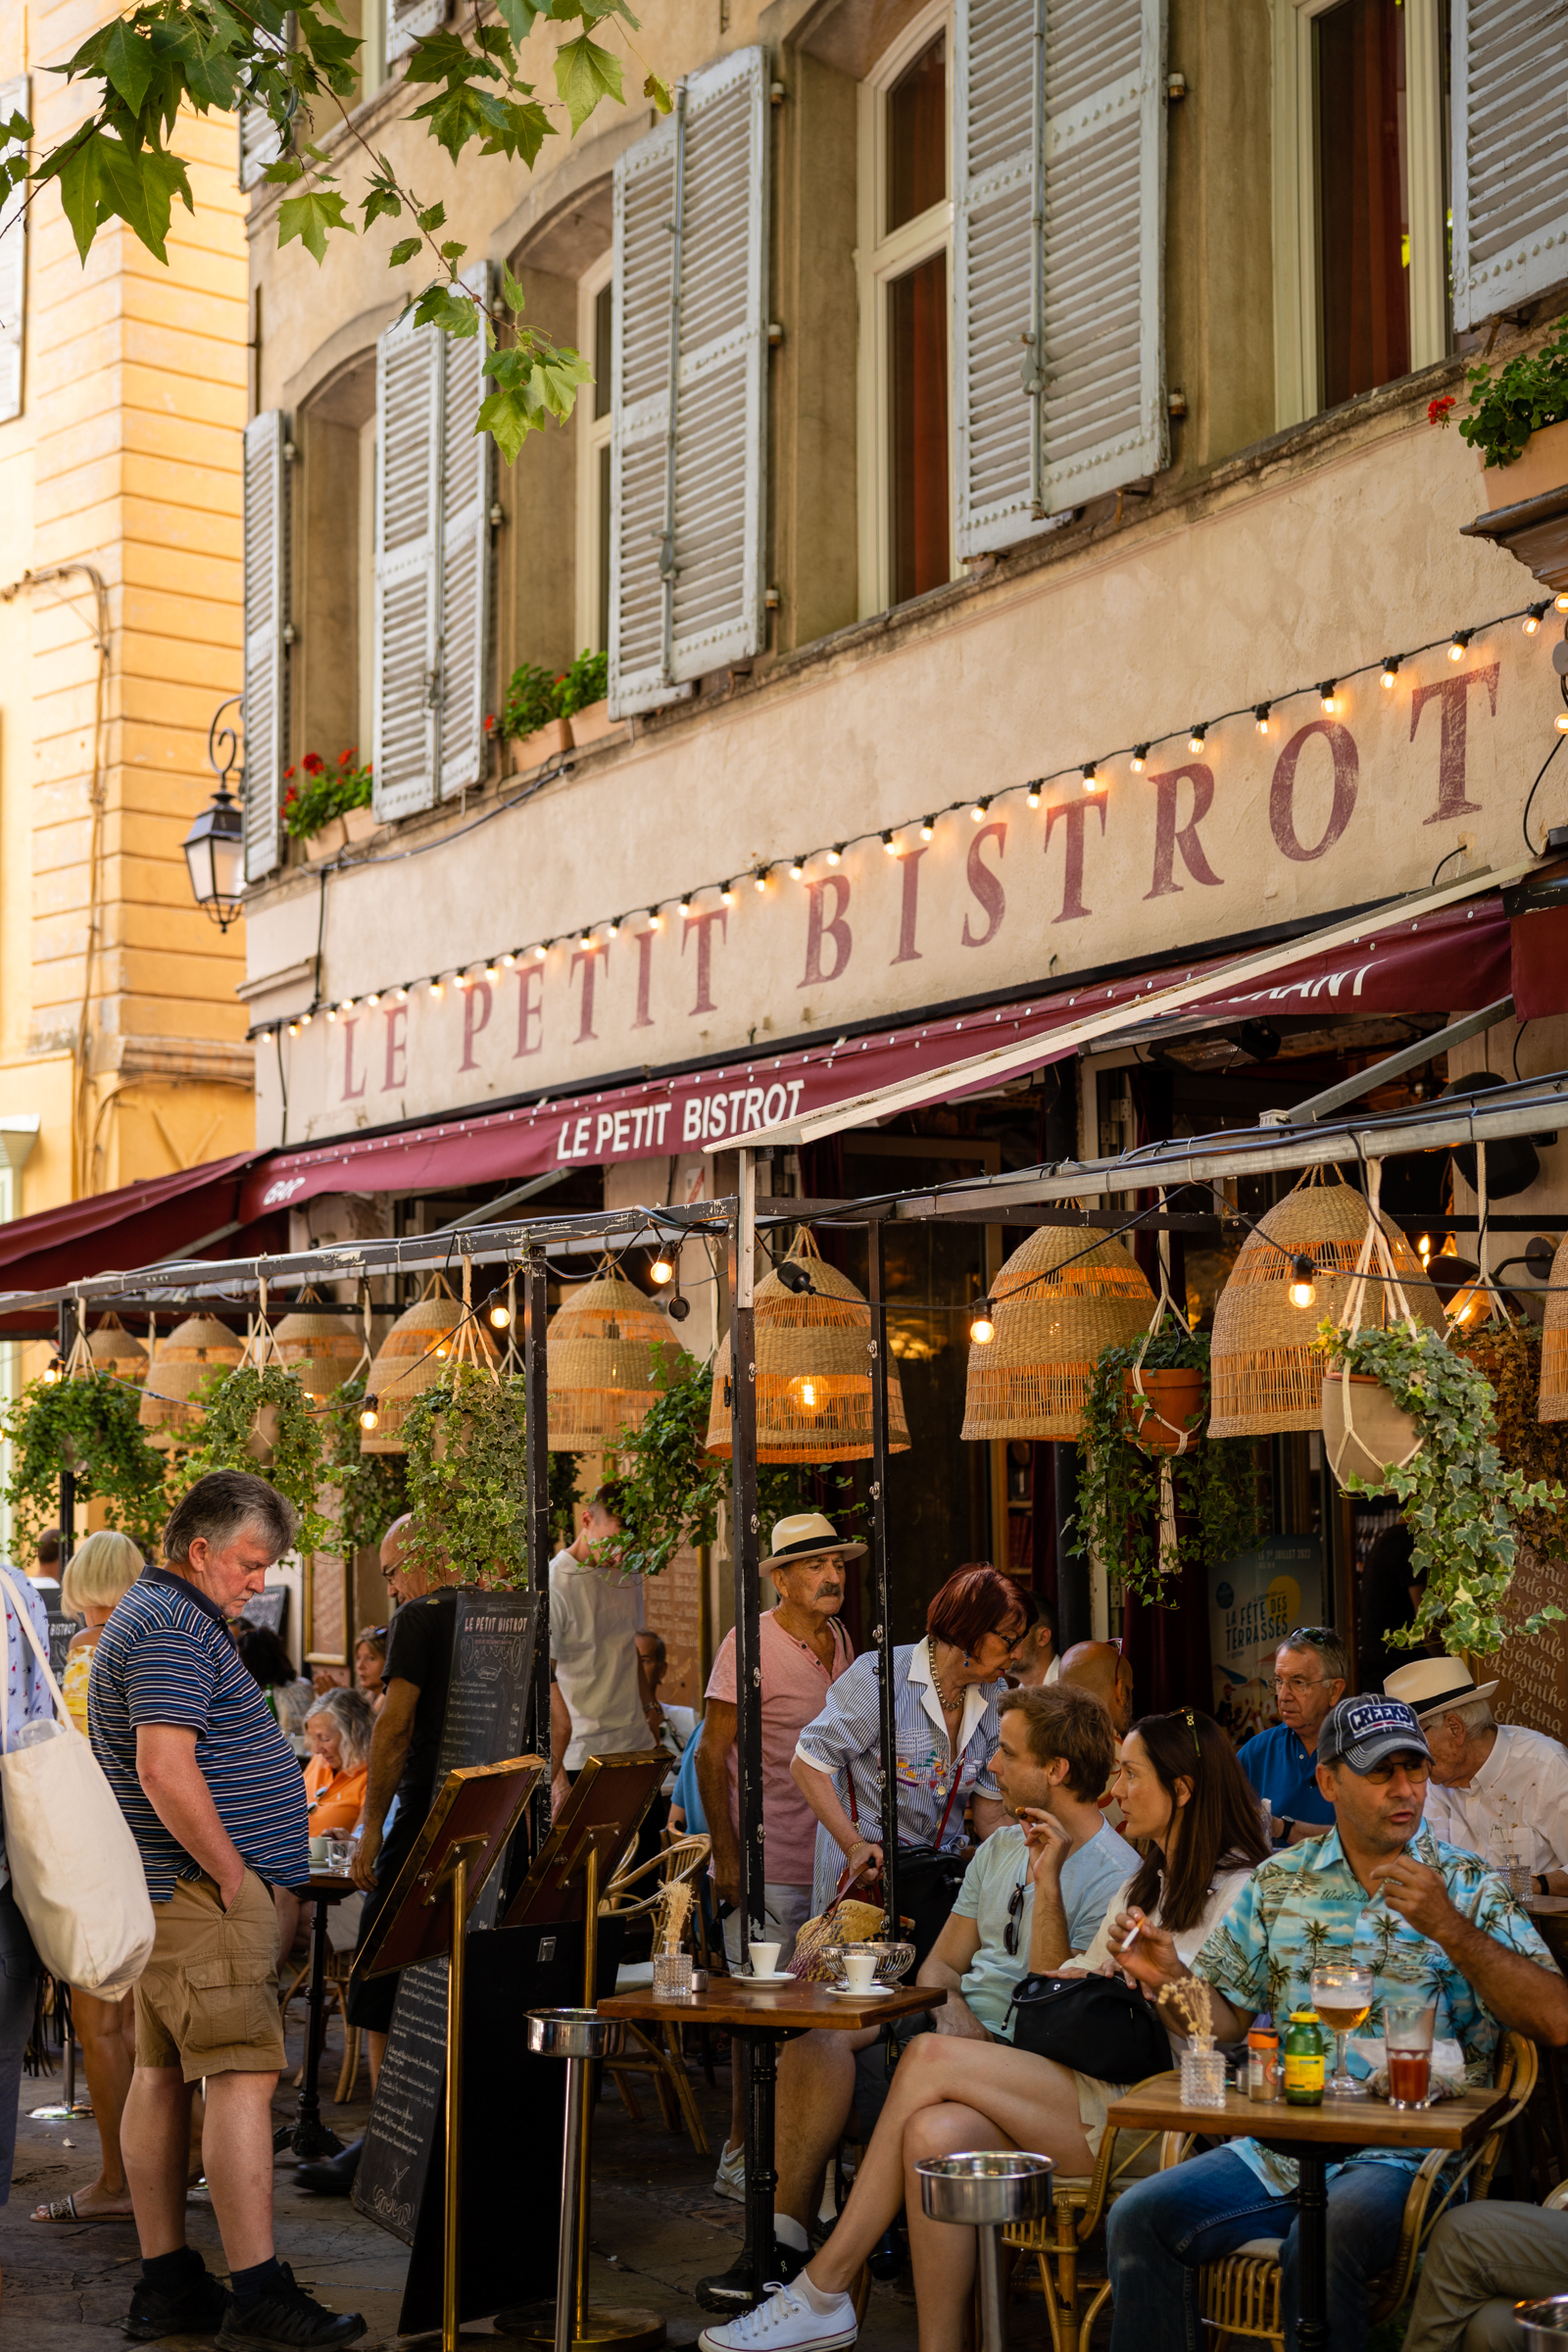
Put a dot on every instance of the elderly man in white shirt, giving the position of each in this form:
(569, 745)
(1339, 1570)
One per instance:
(1495, 1789)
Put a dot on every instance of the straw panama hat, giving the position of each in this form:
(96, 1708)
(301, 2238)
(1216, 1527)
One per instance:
(1433, 1686)
(807, 1536)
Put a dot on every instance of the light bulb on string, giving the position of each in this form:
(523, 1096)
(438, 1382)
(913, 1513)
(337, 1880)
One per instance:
(726, 893)
(501, 1314)
(347, 1005)
(982, 1325)
(928, 826)
(1423, 1250)
(436, 989)
(543, 949)
(1091, 776)
(760, 878)
(797, 869)
(54, 1373)
(662, 1269)
(1199, 736)
(293, 1028)
(1457, 644)
(978, 810)
(686, 901)
(1260, 718)
(374, 1001)
(1534, 618)
(369, 1411)
(1303, 1289)
(835, 852)
(332, 1015)
(1031, 793)
(1560, 600)
(1326, 692)
(492, 972)
(655, 921)
(612, 928)
(510, 958)
(399, 996)
(889, 844)
(1390, 668)
(1560, 722)
(1140, 758)
(306, 1019)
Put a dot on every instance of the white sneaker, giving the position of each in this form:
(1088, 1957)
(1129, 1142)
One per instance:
(785, 2322)
(730, 2178)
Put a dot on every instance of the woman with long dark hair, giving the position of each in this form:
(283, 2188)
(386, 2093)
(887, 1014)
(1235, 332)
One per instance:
(1182, 1789)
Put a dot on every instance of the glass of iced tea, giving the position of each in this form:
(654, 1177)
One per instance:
(1408, 2036)
(1341, 1995)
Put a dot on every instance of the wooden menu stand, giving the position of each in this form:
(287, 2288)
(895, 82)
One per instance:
(425, 1917)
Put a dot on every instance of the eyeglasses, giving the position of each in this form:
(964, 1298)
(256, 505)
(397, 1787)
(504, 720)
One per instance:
(1299, 1682)
(1013, 1934)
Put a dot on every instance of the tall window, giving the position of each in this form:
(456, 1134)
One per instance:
(1360, 216)
(905, 238)
(596, 318)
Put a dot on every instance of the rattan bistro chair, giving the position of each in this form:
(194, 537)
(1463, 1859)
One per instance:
(1240, 2297)
(1079, 2203)
(658, 2051)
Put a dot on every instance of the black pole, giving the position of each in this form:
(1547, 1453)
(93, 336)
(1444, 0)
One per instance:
(1074, 1609)
(887, 1777)
(68, 1478)
(761, 2177)
(536, 1399)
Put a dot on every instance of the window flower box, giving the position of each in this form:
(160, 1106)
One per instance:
(1542, 465)
(325, 844)
(359, 824)
(545, 743)
(592, 723)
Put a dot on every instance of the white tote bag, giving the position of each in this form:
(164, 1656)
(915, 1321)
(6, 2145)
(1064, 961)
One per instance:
(75, 1865)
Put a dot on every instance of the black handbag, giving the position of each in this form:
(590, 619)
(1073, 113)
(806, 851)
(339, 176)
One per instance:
(929, 1879)
(1096, 2025)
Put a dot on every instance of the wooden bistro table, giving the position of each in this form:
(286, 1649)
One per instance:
(762, 2015)
(1316, 2136)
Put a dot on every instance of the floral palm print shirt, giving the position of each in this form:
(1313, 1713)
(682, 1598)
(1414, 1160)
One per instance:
(1305, 1906)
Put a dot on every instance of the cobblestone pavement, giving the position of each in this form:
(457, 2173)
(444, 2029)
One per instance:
(657, 2228)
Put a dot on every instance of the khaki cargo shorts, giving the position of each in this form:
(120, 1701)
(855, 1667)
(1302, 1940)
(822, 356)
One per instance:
(208, 2000)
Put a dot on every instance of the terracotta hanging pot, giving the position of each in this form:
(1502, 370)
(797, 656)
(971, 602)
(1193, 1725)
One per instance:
(1373, 1435)
(1165, 1417)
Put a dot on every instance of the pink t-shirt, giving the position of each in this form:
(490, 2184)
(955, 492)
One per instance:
(795, 1684)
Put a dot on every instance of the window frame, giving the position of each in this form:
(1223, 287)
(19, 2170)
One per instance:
(880, 258)
(594, 436)
(1298, 311)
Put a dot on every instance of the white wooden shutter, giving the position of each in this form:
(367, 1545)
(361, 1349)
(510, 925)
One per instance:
(1510, 152)
(267, 586)
(408, 538)
(258, 141)
(464, 618)
(407, 21)
(13, 264)
(687, 485)
(1059, 306)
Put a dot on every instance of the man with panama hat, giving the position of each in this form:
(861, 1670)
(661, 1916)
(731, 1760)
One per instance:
(1497, 1790)
(801, 1649)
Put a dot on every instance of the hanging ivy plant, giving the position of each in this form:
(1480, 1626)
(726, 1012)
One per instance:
(1464, 1506)
(1213, 1485)
(375, 1487)
(674, 1485)
(229, 1440)
(468, 1477)
(1509, 1355)
(90, 1422)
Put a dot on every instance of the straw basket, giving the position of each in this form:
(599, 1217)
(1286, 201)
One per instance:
(192, 1353)
(604, 1373)
(113, 1350)
(321, 1351)
(412, 1358)
(1554, 1342)
(814, 1371)
(1266, 1369)
(1053, 1320)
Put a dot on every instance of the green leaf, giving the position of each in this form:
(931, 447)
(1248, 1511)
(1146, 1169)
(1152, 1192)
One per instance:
(139, 186)
(403, 251)
(585, 72)
(383, 204)
(453, 252)
(516, 129)
(512, 294)
(460, 115)
(310, 217)
(455, 314)
(660, 92)
(519, 17)
(284, 171)
(128, 64)
(432, 218)
(442, 56)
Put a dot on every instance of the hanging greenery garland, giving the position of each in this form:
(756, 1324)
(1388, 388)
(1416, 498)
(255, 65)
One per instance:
(87, 1424)
(468, 1477)
(1214, 1487)
(263, 1420)
(375, 1487)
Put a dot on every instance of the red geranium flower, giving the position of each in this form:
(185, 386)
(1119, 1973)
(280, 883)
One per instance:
(314, 764)
(1437, 410)
(346, 758)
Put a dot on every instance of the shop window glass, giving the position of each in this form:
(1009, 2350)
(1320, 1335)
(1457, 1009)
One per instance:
(1363, 197)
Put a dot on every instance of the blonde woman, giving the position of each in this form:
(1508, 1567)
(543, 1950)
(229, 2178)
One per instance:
(101, 1571)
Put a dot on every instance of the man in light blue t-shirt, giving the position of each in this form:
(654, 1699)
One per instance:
(1057, 1755)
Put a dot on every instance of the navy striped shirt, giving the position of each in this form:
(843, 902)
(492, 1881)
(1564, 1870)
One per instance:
(167, 1656)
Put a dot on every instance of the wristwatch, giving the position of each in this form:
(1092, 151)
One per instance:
(1538, 1883)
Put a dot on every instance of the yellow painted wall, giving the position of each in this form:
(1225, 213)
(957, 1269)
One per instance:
(126, 457)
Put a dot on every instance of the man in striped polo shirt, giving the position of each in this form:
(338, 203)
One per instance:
(215, 1801)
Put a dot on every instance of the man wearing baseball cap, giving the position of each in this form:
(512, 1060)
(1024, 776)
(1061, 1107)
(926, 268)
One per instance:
(1378, 1888)
(1497, 1790)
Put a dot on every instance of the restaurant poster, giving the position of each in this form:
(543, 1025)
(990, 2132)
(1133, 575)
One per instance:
(1253, 1598)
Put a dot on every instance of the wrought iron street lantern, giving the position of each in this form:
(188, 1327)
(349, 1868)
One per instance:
(215, 846)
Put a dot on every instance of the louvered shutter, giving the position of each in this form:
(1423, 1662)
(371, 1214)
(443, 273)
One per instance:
(1059, 173)
(1510, 152)
(408, 494)
(465, 556)
(13, 264)
(266, 584)
(407, 21)
(259, 140)
(687, 489)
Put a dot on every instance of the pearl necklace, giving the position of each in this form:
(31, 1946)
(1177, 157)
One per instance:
(949, 1706)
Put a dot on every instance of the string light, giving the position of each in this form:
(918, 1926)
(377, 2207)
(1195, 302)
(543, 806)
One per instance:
(53, 1373)
(1032, 794)
(1458, 643)
(332, 1015)
(655, 921)
(1423, 1249)
(835, 852)
(928, 826)
(1303, 1289)
(982, 1325)
(347, 1005)
(1534, 618)
(1560, 722)
(1390, 668)
(585, 939)
(374, 1001)
(1260, 718)
(889, 844)
(686, 901)
(369, 1411)
(492, 972)
(304, 1020)
(613, 927)
(400, 993)
(1325, 694)
(760, 878)
(436, 989)
(1198, 737)
(1560, 600)
(501, 1314)
(1091, 776)
(797, 869)
(293, 1028)
(543, 951)
(510, 958)
(1140, 758)
(979, 808)
(662, 1269)
(726, 894)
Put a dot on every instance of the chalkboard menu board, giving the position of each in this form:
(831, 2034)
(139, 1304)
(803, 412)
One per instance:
(408, 2103)
(1533, 1668)
(487, 1697)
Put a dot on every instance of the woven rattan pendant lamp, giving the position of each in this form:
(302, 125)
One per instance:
(605, 1369)
(813, 1368)
(1056, 1307)
(193, 1352)
(322, 1351)
(113, 1350)
(411, 1360)
(1554, 1342)
(1265, 1367)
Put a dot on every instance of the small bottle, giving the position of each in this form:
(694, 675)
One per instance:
(46, 1728)
(1262, 2059)
(1303, 2060)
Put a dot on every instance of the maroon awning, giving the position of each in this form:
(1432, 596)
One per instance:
(165, 1216)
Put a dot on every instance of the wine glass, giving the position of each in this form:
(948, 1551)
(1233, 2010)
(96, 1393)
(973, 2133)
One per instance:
(1341, 1995)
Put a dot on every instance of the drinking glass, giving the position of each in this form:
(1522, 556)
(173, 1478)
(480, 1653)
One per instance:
(338, 1852)
(1341, 1995)
(1407, 2037)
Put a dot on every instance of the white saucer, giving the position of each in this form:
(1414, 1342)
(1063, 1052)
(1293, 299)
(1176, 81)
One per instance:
(872, 1992)
(772, 1976)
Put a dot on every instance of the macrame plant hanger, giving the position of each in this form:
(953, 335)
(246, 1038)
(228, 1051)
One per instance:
(1374, 1246)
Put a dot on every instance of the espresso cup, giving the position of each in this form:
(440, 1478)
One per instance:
(318, 1853)
(859, 1971)
(765, 1958)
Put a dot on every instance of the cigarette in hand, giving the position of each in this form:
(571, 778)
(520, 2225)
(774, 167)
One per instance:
(1132, 1935)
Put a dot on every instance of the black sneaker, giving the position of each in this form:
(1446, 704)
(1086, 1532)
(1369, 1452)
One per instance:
(731, 2290)
(288, 2320)
(196, 2310)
